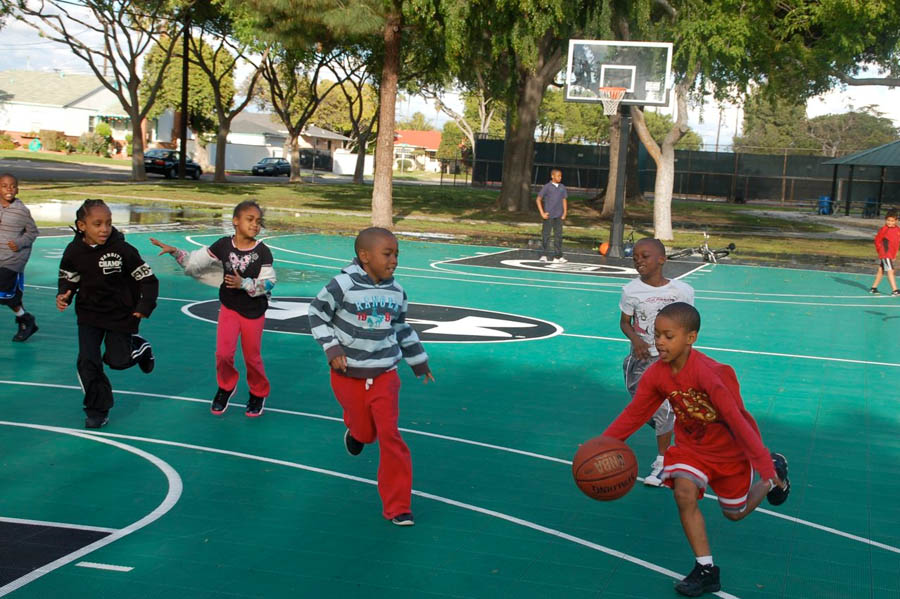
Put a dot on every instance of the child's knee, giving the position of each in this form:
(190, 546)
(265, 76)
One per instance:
(685, 492)
(734, 516)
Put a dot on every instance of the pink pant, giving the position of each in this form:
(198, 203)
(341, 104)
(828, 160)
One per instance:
(231, 324)
(371, 413)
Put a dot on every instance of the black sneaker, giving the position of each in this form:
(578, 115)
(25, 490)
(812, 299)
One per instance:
(403, 520)
(27, 328)
(353, 446)
(874, 291)
(147, 361)
(777, 495)
(702, 579)
(220, 401)
(894, 292)
(254, 406)
(98, 421)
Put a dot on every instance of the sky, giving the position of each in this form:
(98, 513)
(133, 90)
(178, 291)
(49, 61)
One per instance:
(22, 48)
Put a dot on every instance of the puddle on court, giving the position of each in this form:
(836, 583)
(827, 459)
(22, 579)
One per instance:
(62, 212)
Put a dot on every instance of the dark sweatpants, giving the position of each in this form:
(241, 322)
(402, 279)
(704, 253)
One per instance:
(553, 225)
(123, 350)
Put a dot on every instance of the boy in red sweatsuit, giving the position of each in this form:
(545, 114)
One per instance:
(887, 242)
(717, 442)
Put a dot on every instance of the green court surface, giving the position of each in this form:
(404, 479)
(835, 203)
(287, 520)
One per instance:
(187, 504)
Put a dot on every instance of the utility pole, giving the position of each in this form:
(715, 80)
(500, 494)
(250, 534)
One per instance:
(182, 157)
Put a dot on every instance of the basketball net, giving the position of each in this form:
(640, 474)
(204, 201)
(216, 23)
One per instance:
(611, 96)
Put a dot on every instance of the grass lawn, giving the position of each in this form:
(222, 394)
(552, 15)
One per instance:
(472, 214)
(71, 158)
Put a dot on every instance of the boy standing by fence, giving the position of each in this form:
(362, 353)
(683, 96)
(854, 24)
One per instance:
(552, 204)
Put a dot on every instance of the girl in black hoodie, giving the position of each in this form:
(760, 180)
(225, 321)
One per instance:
(115, 290)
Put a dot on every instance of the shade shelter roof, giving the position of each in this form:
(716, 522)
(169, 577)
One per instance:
(886, 155)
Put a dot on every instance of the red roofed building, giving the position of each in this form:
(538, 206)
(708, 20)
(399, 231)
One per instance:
(418, 147)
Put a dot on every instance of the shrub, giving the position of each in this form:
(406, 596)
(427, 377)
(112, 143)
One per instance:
(6, 142)
(128, 146)
(93, 143)
(54, 141)
(405, 165)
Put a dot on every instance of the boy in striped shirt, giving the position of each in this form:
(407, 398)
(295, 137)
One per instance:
(359, 319)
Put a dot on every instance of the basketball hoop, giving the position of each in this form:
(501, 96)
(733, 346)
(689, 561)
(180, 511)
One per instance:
(611, 96)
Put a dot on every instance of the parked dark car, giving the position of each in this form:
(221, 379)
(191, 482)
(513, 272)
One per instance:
(322, 160)
(165, 162)
(272, 167)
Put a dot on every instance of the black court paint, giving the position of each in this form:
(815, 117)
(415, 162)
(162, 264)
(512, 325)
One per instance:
(27, 547)
(578, 264)
(433, 323)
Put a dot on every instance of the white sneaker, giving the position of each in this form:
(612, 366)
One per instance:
(556, 261)
(653, 479)
(561, 260)
(543, 258)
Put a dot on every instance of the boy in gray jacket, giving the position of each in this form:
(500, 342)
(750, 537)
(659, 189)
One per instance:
(359, 319)
(17, 235)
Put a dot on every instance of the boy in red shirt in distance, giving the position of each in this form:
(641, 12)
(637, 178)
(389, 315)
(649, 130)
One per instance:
(887, 242)
(717, 442)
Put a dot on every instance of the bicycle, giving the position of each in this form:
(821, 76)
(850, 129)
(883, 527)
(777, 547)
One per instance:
(704, 251)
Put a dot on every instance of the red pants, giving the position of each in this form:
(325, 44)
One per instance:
(230, 325)
(372, 413)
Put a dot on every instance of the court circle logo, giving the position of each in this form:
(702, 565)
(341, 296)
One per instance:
(572, 267)
(433, 323)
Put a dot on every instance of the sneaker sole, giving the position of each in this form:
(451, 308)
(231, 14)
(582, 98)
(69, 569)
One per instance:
(404, 523)
(347, 445)
(222, 411)
(256, 414)
(17, 339)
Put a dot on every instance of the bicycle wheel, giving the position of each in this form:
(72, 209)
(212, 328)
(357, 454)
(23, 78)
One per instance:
(720, 253)
(680, 254)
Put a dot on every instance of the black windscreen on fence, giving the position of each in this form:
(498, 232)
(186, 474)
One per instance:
(742, 177)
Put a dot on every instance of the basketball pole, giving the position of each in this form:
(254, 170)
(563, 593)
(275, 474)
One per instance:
(617, 231)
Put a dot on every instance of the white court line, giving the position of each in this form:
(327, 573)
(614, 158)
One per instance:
(566, 285)
(452, 502)
(58, 524)
(479, 444)
(99, 566)
(168, 502)
(750, 351)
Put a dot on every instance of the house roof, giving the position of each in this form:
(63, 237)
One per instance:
(886, 155)
(48, 88)
(268, 123)
(430, 140)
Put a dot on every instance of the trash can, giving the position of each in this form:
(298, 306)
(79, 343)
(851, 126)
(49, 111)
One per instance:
(826, 206)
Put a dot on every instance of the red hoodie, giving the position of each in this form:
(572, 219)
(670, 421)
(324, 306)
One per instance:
(887, 242)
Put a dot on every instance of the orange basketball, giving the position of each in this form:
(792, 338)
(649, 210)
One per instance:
(604, 248)
(604, 468)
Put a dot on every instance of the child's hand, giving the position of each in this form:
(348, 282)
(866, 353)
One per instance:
(427, 377)
(138, 315)
(62, 300)
(164, 248)
(233, 281)
(339, 363)
(640, 349)
(778, 482)
(12, 245)
(544, 215)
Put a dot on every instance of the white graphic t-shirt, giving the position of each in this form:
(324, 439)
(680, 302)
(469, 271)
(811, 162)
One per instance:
(644, 302)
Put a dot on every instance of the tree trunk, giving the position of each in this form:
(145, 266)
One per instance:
(382, 191)
(137, 150)
(221, 143)
(294, 140)
(633, 176)
(359, 172)
(665, 163)
(609, 202)
(518, 152)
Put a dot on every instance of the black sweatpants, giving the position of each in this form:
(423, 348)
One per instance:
(123, 350)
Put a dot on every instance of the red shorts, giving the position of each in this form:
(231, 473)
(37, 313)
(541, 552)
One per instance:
(731, 481)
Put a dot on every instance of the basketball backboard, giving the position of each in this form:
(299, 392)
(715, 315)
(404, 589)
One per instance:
(643, 68)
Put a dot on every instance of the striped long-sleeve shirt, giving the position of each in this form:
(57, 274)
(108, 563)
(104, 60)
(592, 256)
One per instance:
(16, 225)
(366, 322)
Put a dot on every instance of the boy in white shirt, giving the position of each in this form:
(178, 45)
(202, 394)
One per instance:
(641, 301)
